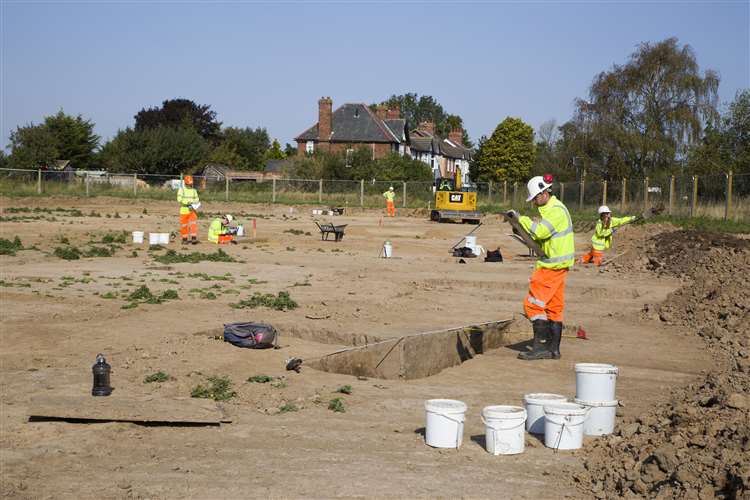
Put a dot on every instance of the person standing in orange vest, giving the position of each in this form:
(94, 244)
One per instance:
(187, 197)
(390, 196)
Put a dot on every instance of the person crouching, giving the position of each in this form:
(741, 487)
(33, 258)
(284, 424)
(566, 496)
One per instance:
(220, 231)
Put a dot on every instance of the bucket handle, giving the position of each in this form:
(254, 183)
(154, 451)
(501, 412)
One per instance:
(458, 436)
(501, 428)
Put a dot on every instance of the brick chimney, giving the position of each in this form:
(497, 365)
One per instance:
(393, 114)
(428, 127)
(456, 136)
(381, 111)
(325, 110)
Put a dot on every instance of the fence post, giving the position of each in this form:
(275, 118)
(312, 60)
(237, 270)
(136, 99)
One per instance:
(694, 200)
(39, 181)
(320, 191)
(645, 193)
(135, 185)
(671, 195)
(273, 190)
(226, 187)
(604, 192)
(362, 193)
(562, 192)
(505, 192)
(515, 192)
(404, 194)
(624, 194)
(728, 205)
(582, 186)
(489, 192)
(86, 182)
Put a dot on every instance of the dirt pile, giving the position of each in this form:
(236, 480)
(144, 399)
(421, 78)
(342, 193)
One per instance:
(696, 445)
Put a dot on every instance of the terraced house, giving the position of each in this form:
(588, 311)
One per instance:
(447, 157)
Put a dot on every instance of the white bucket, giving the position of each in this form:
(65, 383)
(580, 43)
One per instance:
(471, 241)
(153, 238)
(534, 404)
(595, 381)
(387, 250)
(444, 427)
(504, 429)
(137, 237)
(240, 230)
(563, 425)
(164, 238)
(601, 418)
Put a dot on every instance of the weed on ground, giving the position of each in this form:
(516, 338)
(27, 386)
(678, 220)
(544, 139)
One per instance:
(8, 247)
(156, 377)
(344, 389)
(280, 302)
(218, 389)
(260, 379)
(288, 407)
(172, 257)
(337, 405)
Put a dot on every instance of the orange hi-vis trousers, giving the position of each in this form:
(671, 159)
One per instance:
(594, 256)
(546, 298)
(391, 208)
(189, 225)
(224, 238)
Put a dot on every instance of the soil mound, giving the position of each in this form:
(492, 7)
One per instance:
(697, 444)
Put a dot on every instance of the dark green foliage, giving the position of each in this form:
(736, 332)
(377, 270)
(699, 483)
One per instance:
(8, 247)
(288, 407)
(295, 232)
(218, 389)
(143, 295)
(180, 113)
(260, 379)
(172, 257)
(344, 389)
(359, 165)
(280, 302)
(508, 154)
(156, 377)
(67, 253)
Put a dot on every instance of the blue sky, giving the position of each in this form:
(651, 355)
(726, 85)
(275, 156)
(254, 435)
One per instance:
(266, 64)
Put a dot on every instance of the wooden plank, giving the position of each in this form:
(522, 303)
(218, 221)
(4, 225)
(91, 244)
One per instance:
(120, 409)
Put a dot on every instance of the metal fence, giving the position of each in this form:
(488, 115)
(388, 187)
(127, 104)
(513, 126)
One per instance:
(722, 195)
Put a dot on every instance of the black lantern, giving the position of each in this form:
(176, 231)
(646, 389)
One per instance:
(101, 370)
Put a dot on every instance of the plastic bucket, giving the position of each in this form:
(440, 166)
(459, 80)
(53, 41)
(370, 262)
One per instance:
(444, 427)
(471, 241)
(534, 404)
(164, 238)
(601, 418)
(595, 381)
(387, 250)
(153, 238)
(504, 429)
(137, 237)
(563, 425)
(240, 230)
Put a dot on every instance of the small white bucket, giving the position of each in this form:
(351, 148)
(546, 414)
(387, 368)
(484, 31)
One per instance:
(534, 404)
(137, 237)
(387, 250)
(601, 418)
(153, 238)
(504, 429)
(315, 211)
(563, 425)
(471, 241)
(595, 381)
(444, 427)
(240, 230)
(164, 238)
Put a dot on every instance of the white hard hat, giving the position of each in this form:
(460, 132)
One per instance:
(390, 188)
(535, 186)
(229, 218)
(604, 209)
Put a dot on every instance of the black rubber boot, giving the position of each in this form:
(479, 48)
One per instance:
(538, 351)
(555, 328)
(194, 240)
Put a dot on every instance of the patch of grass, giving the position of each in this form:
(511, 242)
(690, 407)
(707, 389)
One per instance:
(7, 284)
(295, 232)
(288, 407)
(131, 305)
(280, 302)
(67, 253)
(95, 251)
(344, 389)
(260, 379)
(706, 224)
(254, 281)
(156, 377)
(8, 247)
(337, 405)
(143, 295)
(172, 257)
(114, 237)
(108, 295)
(279, 384)
(218, 389)
(207, 277)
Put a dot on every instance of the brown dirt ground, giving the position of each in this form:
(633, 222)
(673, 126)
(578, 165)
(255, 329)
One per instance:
(52, 329)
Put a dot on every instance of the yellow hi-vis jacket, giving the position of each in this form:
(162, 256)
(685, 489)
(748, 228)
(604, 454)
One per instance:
(389, 195)
(215, 230)
(554, 233)
(602, 238)
(186, 196)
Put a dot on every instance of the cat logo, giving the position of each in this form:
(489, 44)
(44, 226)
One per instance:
(457, 197)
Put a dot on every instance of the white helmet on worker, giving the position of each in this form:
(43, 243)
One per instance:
(390, 188)
(229, 217)
(604, 209)
(536, 185)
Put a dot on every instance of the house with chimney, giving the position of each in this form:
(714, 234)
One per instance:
(352, 126)
(447, 157)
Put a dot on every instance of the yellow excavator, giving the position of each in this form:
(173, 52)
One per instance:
(455, 202)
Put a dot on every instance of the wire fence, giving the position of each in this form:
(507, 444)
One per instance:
(722, 195)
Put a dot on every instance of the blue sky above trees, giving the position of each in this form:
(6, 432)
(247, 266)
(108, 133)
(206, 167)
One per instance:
(264, 64)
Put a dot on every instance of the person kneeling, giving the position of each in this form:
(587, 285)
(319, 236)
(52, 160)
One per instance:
(220, 231)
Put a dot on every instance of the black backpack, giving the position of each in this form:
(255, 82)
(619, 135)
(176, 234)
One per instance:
(251, 335)
(494, 256)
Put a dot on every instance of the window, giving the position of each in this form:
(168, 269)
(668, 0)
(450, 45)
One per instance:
(310, 147)
(349, 155)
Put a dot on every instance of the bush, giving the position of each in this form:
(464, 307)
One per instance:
(67, 253)
(8, 247)
(337, 405)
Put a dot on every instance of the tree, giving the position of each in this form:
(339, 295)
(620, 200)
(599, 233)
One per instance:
(176, 113)
(161, 150)
(226, 154)
(59, 137)
(509, 153)
(644, 115)
(249, 144)
(275, 152)
(290, 150)
(416, 109)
